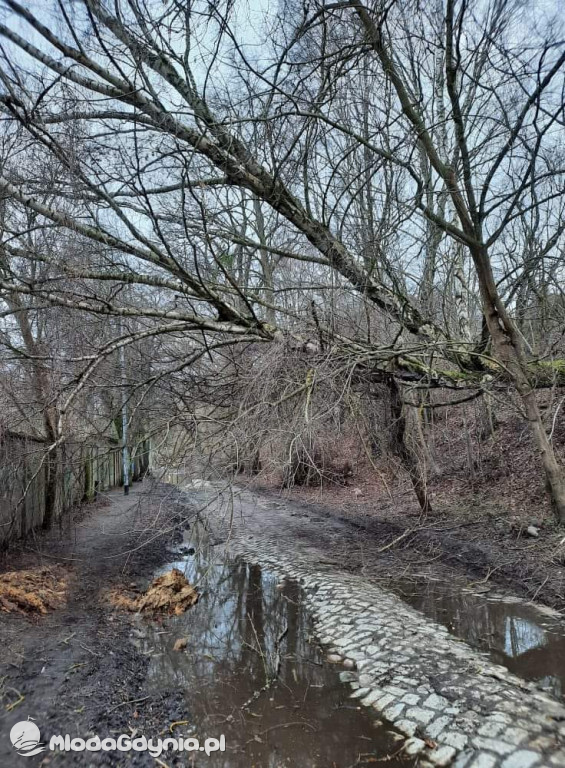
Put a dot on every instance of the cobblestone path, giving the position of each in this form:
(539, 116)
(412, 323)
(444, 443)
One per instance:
(453, 704)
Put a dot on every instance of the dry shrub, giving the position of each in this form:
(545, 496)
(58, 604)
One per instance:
(170, 593)
(33, 591)
(306, 464)
(311, 463)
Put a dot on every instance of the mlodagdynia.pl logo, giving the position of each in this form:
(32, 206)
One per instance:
(25, 737)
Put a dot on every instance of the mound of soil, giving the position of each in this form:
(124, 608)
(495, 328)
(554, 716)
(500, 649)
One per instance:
(34, 591)
(170, 593)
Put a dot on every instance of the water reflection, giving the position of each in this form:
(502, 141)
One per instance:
(514, 633)
(250, 672)
(522, 635)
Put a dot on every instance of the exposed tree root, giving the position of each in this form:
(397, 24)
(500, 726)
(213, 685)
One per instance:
(170, 593)
(35, 591)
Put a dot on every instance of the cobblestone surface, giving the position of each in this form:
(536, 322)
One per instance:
(454, 706)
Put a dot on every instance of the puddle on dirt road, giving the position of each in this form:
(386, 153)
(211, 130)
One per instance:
(250, 672)
(527, 640)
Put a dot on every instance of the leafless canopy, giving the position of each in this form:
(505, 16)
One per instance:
(376, 184)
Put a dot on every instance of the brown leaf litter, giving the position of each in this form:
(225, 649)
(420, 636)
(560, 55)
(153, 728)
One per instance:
(170, 593)
(33, 591)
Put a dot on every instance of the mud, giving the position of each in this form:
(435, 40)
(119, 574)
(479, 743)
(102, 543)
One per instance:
(528, 639)
(250, 672)
(76, 670)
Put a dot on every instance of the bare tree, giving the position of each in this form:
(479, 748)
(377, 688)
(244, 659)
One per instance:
(357, 163)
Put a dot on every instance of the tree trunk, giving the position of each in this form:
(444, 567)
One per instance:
(402, 450)
(51, 489)
(41, 385)
(555, 479)
(507, 345)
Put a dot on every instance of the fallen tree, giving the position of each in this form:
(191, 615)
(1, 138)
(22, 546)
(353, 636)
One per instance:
(231, 206)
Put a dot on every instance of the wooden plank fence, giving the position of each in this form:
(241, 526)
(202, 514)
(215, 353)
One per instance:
(82, 471)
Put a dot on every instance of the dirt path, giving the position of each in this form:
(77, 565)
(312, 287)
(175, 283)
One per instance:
(376, 549)
(478, 541)
(383, 541)
(76, 667)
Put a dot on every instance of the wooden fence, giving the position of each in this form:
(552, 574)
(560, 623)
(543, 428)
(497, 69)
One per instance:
(81, 470)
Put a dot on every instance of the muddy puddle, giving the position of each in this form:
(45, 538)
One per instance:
(526, 639)
(250, 672)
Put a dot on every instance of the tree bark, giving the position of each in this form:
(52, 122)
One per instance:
(41, 387)
(508, 347)
(402, 450)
